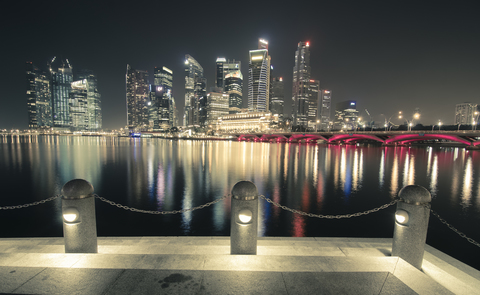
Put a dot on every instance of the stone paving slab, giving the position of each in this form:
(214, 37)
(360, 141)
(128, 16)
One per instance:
(24, 260)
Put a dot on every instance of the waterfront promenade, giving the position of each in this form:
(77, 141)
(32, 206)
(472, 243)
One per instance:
(203, 265)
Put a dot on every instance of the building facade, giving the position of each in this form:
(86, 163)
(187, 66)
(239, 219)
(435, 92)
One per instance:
(137, 96)
(61, 78)
(216, 106)
(300, 86)
(39, 104)
(259, 78)
(229, 78)
(94, 105)
(466, 113)
(346, 115)
(195, 90)
(325, 109)
(161, 101)
(313, 101)
(277, 97)
(247, 122)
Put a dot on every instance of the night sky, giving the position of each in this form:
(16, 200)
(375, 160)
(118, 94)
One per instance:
(389, 56)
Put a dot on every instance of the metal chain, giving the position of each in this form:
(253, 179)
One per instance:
(160, 212)
(329, 216)
(454, 229)
(31, 204)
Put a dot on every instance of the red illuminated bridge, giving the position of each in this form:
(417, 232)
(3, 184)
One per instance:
(462, 137)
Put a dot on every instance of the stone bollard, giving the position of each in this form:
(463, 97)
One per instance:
(411, 223)
(244, 218)
(79, 223)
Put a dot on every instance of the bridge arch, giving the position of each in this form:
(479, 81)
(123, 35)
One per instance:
(307, 137)
(406, 138)
(353, 137)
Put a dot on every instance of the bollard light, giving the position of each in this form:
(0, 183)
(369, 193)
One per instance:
(245, 216)
(71, 215)
(401, 216)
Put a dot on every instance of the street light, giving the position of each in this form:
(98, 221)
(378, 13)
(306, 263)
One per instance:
(316, 126)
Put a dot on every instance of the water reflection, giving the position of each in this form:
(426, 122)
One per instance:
(157, 174)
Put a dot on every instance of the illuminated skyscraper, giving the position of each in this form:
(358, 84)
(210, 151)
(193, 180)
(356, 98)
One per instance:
(39, 104)
(137, 94)
(195, 90)
(300, 87)
(277, 97)
(324, 109)
(78, 105)
(346, 115)
(94, 106)
(216, 106)
(60, 84)
(313, 101)
(466, 113)
(259, 78)
(161, 99)
(229, 78)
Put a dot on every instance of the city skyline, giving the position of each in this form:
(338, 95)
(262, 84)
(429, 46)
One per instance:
(386, 57)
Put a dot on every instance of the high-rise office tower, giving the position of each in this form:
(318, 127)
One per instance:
(137, 95)
(78, 105)
(313, 100)
(94, 105)
(195, 90)
(300, 87)
(161, 99)
(229, 78)
(39, 104)
(324, 109)
(277, 97)
(61, 79)
(259, 78)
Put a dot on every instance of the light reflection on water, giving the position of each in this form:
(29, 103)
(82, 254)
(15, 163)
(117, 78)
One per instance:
(157, 174)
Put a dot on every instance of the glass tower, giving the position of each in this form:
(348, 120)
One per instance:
(230, 79)
(259, 78)
(300, 86)
(39, 104)
(61, 79)
(277, 97)
(324, 109)
(137, 95)
(195, 91)
(79, 105)
(161, 98)
(94, 107)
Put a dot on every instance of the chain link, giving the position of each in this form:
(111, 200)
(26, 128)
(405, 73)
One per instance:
(454, 229)
(160, 212)
(28, 205)
(329, 216)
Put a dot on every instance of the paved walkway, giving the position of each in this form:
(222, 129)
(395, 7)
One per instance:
(203, 265)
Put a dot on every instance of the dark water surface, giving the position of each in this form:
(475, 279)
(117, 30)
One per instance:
(160, 174)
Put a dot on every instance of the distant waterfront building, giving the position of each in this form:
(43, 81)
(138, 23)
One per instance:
(300, 86)
(195, 90)
(346, 115)
(61, 78)
(137, 95)
(324, 109)
(467, 113)
(216, 106)
(248, 122)
(277, 97)
(313, 99)
(259, 78)
(94, 105)
(39, 104)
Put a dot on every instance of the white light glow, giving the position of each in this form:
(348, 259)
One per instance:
(245, 215)
(70, 214)
(401, 216)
